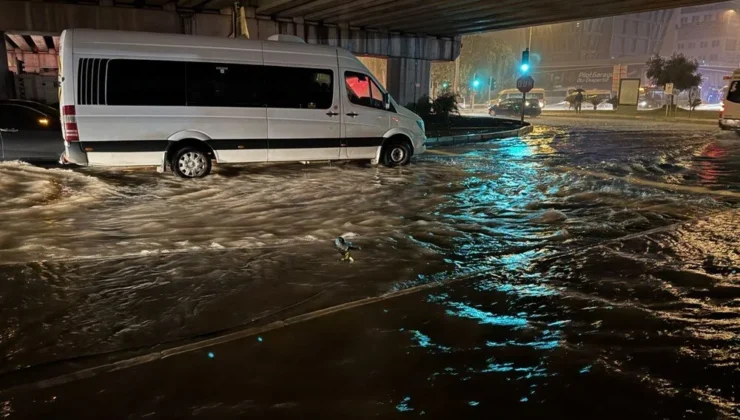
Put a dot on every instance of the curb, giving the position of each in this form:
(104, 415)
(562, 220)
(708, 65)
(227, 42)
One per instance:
(702, 121)
(433, 142)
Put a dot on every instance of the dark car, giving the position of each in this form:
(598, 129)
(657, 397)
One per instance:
(30, 131)
(513, 108)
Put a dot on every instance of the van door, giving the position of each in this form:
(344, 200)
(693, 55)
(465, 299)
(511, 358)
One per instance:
(303, 121)
(364, 117)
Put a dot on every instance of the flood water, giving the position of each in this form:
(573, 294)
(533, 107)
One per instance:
(601, 248)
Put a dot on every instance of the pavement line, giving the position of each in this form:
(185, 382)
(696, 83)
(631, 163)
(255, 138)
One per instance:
(441, 152)
(248, 332)
(654, 184)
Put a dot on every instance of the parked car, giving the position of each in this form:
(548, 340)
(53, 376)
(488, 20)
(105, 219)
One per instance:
(30, 131)
(513, 107)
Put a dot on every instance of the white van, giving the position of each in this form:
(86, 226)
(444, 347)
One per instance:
(729, 118)
(536, 93)
(144, 99)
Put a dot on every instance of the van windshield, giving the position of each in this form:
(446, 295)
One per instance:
(733, 94)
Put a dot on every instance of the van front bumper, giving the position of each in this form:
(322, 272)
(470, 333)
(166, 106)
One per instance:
(73, 153)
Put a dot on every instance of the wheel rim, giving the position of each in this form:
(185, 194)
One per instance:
(192, 164)
(397, 154)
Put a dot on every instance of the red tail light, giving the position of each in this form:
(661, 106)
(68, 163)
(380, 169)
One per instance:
(69, 121)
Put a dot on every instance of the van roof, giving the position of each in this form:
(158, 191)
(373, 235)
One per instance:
(104, 39)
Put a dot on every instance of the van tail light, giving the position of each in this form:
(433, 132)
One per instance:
(69, 121)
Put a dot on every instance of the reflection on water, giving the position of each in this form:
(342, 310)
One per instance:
(99, 260)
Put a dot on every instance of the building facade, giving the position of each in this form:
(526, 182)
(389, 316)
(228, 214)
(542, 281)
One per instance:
(711, 35)
(596, 53)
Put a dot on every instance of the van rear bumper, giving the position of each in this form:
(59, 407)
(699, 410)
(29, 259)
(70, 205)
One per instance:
(73, 153)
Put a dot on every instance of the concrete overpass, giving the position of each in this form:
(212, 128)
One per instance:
(411, 33)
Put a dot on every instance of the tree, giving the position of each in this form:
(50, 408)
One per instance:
(594, 100)
(446, 104)
(481, 54)
(677, 69)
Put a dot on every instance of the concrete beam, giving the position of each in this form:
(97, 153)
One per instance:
(53, 18)
(386, 17)
(370, 9)
(305, 8)
(40, 43)
(276, 6)
(545, 16)
(341, 9)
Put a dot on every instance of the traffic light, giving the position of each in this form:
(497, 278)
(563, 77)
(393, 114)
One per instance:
(493, 84)
(524, 66)
(476, 82)
(445, 85)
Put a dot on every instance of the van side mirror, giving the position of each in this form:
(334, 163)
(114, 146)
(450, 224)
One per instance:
(386, 101)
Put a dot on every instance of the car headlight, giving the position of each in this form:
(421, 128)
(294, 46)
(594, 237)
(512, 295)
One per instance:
(420, 123)
(643, 103)
(542, 104)
(526, 103)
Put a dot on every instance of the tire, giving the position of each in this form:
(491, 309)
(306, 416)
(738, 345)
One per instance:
(737, 132)
(191, 162)
(396, 153)
(491, 112)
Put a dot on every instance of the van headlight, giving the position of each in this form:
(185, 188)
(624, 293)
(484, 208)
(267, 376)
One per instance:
(420, 123)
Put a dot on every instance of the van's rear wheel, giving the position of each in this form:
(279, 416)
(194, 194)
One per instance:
(191, 162)
(396, 153)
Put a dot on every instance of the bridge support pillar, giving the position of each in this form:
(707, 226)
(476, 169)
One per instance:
(408, 79)
(4, 71)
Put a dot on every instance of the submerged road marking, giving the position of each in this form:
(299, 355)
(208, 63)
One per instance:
(655, 184)
(441, 152)
(256, 331)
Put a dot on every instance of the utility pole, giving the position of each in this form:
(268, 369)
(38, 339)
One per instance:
(456, 78)
(490, 82)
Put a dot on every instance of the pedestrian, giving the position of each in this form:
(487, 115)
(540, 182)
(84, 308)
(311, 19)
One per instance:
(579, 101)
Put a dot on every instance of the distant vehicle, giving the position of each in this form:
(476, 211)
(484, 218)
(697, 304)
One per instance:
(729, 118)
(559, 95)
(513, 107)
(30, 131)
(536, 93)
(128, 101)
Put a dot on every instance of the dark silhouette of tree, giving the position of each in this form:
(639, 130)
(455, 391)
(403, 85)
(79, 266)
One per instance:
(677, 69)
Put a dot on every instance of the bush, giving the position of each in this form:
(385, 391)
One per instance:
(593, 100)
(445, 105)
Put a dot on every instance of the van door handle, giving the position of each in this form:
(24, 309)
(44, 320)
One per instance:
(352, 114)
(331, 114)
(8, 130)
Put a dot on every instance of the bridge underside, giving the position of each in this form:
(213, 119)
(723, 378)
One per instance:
(410, 33)
(447, 18)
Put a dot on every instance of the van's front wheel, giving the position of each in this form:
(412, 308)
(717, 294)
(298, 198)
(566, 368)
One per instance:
(397, 153)
(190, 162)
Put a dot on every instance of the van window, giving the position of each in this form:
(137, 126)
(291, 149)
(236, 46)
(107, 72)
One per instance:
(146, 82)
(733, 95)
(363, 91)
(226, 85)
(291, 87)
